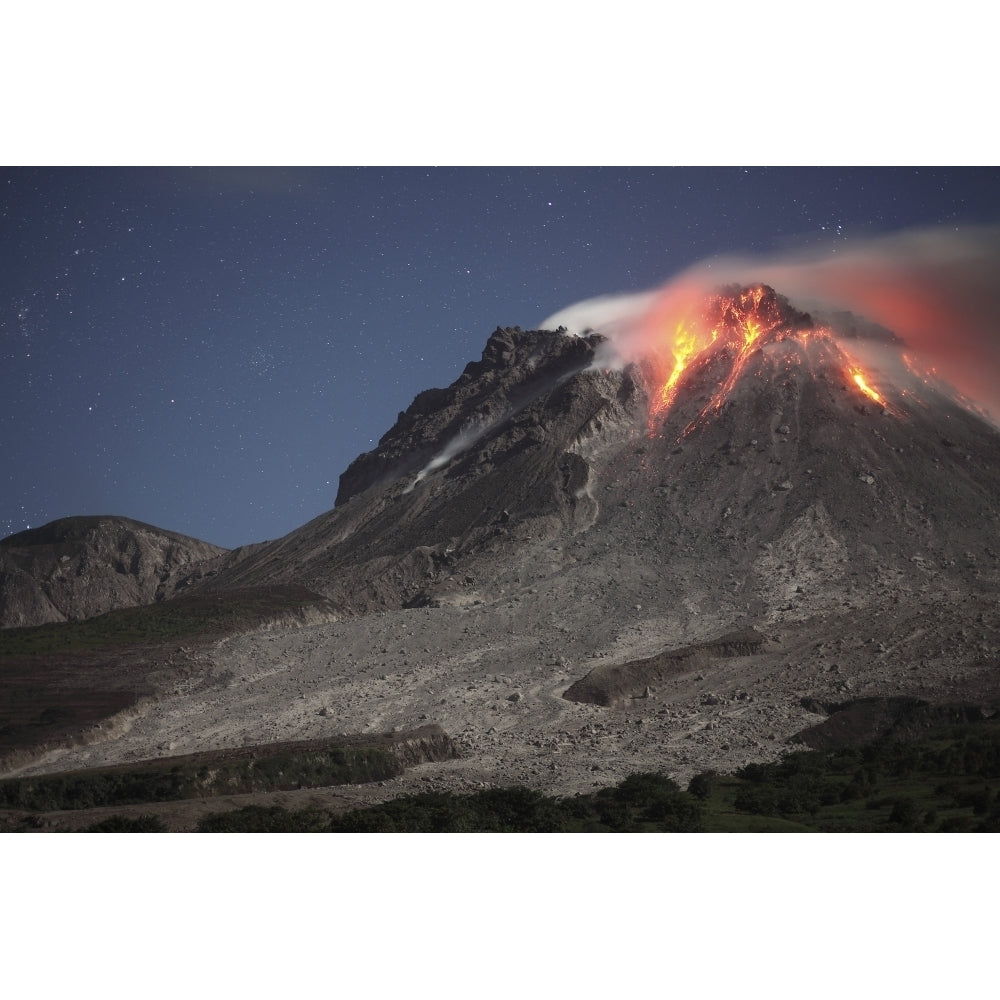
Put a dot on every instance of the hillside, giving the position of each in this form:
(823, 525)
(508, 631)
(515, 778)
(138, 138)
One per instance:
(78, 567)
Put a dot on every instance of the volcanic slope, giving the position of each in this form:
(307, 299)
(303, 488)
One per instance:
(546, 517)
(772, 477)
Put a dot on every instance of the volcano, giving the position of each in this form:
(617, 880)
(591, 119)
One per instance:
(582, 568)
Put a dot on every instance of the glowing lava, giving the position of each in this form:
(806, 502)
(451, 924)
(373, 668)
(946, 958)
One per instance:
(715, 337)
(861, 381)
(684, 347)
(744, 331)
(735, 320)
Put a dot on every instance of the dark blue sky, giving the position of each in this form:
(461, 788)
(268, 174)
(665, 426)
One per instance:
(207, 349)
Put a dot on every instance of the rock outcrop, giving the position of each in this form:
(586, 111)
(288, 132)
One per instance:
(517, 367)
(617, 683)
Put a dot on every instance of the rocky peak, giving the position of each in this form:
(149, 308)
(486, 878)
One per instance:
(516, 366)
(758, 312)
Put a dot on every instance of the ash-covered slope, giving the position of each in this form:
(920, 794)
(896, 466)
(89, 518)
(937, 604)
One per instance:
(469, 473)
(769, 472)
(79, 567)
(516, 369)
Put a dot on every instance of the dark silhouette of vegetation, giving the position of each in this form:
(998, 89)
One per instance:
(203, 775)
(264, 819)
(128, 824)
(948, 781)
(701, 785)
(643, 802)
(649, 800)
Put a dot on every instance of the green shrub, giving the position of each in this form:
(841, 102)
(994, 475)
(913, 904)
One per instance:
(905, 813)
(701, 785)
(264, 819)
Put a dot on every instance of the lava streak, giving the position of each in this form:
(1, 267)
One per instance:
(861, 381)
(684, 347)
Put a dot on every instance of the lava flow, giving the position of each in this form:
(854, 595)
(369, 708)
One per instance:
(733, 325)
(684, 347)
(861, 381)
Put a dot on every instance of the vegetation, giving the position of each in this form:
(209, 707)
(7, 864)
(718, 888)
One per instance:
(204, 774)
(127, 824)
(198, 615)
(641, 803)
(947, 782)
(265, 819)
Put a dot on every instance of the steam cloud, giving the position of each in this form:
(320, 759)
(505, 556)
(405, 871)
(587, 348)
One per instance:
(607, 314)
(937, 288)
(459, 443)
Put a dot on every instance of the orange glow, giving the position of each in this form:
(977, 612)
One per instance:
(926, 375)
(861, 381)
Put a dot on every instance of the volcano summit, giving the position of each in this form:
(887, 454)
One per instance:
(582, 569)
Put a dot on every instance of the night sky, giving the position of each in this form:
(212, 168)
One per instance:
(207, 349)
